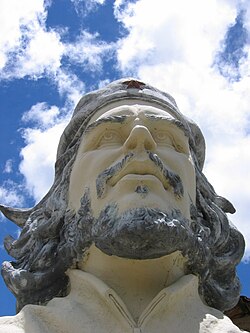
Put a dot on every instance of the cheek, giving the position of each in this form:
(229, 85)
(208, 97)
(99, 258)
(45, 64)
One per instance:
(92, 163)
(85, 171)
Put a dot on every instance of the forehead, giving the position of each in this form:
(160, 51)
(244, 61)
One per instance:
(132, 108)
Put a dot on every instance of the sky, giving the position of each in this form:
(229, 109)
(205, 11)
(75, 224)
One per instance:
(54, 51)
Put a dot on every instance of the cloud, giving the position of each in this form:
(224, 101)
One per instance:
(38, 157)
(71, 86)
(34, 50)
(8, 166)
(45, 125)
(43, 54)
(10, 194)
(14, 17)
(88, 51)
(84, 7)
(41, 114)
(229, 172)
(176, 53)
(188, 31)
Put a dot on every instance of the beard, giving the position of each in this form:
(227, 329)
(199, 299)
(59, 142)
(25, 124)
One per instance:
(142, 233)
(138, 233)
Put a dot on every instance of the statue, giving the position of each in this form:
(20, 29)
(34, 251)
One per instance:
(131, 237)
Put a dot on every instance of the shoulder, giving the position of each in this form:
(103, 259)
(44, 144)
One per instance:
(28, 320)
(11, 324)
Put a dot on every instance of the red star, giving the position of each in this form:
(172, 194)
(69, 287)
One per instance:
(134, 84)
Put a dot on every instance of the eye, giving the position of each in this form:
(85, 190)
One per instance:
(163, 138)
(110, 138)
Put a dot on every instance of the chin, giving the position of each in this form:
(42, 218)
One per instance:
(142, 232)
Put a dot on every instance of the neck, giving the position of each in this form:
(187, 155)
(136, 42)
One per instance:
(137, 282)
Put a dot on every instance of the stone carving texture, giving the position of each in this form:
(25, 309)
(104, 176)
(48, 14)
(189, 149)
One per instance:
(55, 237)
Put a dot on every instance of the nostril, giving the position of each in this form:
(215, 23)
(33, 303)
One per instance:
(150, 145)
(130, 143)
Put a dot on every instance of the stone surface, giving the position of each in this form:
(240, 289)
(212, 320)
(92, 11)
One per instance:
(104, 311)
(130, 209)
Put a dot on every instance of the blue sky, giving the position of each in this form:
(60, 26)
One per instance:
(52, 52)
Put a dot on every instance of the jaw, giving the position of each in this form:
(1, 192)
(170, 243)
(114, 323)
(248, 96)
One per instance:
(141, 233)
(96, 261)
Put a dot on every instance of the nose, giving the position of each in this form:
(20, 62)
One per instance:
(139, 139)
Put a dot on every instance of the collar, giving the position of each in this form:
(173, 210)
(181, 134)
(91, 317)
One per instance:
(85, 284)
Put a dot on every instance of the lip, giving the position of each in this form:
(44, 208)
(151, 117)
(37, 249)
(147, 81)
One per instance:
(137, 169)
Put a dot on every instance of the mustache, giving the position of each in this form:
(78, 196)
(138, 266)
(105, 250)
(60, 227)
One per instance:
(168, 176)
(173, 179)
(108, 173)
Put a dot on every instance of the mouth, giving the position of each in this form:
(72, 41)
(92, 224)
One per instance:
(140, 170)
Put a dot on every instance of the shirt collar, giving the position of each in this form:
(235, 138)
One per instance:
(84, 284)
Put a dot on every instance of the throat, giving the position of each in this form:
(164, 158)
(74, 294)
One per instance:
(137, 282)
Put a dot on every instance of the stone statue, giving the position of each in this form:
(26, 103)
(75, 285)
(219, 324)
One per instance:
(131, 237)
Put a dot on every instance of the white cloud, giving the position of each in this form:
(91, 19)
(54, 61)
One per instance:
(8, 166)
(43, 53)
(229, 172)
(10, 195)
(87, 51)
(31, 49)
(43, 115)
(90, 2)
(188, 31)
(46, 124)
(41, 139)
(34, 50)
(70, 85)
(38, 158)
(15, 15)
(175, 53)
(83, 7)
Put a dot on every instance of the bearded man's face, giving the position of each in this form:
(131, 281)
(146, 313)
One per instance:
(134, 156)
(135, 164)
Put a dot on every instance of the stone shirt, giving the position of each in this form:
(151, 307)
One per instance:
(93, 307)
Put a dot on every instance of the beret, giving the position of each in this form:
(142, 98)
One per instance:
(121, 91)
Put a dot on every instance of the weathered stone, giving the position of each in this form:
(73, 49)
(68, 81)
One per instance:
(130, 206)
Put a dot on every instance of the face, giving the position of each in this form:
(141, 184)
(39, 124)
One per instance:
(134, 156)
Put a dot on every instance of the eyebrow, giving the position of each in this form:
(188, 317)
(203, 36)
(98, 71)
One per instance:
(169, 120)
(112, 119)
(121, 118)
